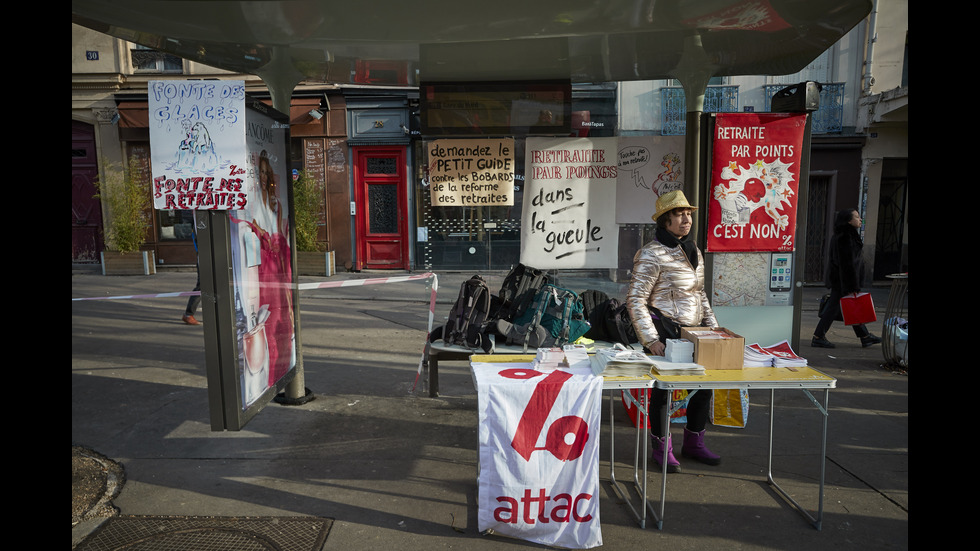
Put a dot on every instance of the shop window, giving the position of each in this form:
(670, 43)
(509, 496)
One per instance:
(175, 224)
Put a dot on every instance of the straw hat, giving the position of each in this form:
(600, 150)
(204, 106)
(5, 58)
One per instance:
(670, 201)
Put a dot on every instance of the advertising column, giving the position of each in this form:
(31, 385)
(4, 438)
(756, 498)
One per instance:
(214, 150)
(752, 200)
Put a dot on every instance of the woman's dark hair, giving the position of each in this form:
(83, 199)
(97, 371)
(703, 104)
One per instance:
(664, 218)
(843, 218)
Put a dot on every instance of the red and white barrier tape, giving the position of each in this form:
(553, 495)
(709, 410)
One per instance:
(432, 313)
(369, 281)
(326, 285)
(158, 295)
(301, 286)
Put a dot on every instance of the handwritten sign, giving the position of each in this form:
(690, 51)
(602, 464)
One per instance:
(471, 173)
(649, 166)
(754, 182)
(569, 214)
(197, 144)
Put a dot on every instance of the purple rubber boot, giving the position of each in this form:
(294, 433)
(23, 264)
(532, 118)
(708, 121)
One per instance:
(673, 466)
(694, 448)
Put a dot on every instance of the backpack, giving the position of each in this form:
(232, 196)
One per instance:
(468, 316)
(592, 300)
(559, 312)
(611, 322)
(518, 290)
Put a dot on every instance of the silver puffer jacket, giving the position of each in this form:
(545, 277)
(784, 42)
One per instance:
(664, 279)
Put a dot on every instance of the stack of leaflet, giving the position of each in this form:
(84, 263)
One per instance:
(784, 356)
(577, 355)
(620, 361)
(776, 355)
(549, 359)
(679, 351)
(572, 355)
(665, 367)
(756, 356)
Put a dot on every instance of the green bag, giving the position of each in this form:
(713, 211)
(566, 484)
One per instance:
(559, 311)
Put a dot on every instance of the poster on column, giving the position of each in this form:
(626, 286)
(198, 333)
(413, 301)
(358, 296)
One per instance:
(539, 454)
(754, 182)
(569, 212)
(197, 144)
(649, 166)
(471, 173)
(262, 259)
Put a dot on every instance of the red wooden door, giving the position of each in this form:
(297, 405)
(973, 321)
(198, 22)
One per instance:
(380, 193)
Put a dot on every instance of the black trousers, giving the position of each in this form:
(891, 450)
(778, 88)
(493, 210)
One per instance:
(697, 410)
(192, 302)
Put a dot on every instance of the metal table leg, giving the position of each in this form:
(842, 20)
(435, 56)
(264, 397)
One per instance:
(825, 411)
(639, 476)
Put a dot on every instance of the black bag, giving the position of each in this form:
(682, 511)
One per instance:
(592, 300)
(611, 322)
(559, 311)
(468, 317)
(518, 290)
(824, 302)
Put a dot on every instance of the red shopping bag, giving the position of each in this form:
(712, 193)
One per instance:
(857, 308)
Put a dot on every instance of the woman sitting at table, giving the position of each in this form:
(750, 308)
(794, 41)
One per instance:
(666, 293)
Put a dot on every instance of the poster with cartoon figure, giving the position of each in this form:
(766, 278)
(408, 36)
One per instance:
(754, 182)
(197, 147)
(649, 166)
(262, 262)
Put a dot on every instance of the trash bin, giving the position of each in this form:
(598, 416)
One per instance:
(895, 337)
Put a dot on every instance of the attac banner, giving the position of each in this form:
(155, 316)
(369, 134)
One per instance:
(754, 182)
(539, 454)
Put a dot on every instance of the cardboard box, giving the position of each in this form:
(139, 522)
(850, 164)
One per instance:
(716, 352)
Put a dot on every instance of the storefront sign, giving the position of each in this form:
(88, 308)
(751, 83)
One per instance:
(754, 182)
(569, 212)
(197, 143)
(471, 173)
(539, 454)
(649, 166)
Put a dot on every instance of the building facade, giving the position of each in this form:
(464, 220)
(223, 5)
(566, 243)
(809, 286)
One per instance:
(859, 148)
(363, 145)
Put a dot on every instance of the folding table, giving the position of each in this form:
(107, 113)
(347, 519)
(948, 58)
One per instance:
(772, 379)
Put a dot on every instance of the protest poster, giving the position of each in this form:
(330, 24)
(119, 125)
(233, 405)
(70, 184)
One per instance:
(755, 176)
(649, 166)
(569, 211)
(539, 453)
(471, 173)
(197, 144)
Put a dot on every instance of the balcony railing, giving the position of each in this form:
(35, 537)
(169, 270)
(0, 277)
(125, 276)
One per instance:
(673, 108)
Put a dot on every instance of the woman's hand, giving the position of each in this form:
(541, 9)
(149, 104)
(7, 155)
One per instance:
(658, 348)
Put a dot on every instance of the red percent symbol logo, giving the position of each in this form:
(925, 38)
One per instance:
(566, 437)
